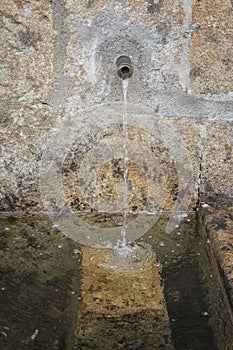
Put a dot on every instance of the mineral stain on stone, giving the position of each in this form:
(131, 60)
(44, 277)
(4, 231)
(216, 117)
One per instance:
(29, 38)
(154, 6)
(195, 72)
(91, 3)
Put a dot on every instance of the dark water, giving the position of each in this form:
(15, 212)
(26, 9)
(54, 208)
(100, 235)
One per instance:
(55, 294)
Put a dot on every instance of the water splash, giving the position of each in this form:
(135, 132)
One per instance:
(125, 84)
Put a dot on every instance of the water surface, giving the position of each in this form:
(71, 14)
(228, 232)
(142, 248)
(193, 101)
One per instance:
(164, 292)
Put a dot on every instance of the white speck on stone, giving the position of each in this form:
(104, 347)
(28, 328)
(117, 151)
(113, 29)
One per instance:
(120, 223)
(72, 292)
(205, 205)
(178, 233)
(157, 64)
(54, 225)
(77, 251)
(60, 246)
(208, 241)
(35, 334)
(3, 288)
(205, 313)
(6, 228)
(162, 244)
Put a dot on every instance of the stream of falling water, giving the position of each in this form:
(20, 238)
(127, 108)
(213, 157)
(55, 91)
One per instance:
(125, 83)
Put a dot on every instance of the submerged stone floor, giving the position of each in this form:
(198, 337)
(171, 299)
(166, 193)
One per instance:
(56, 294)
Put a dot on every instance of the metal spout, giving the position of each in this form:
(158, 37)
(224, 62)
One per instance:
(124, 67)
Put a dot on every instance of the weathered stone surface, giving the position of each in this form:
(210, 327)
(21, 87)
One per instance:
(216, 214)
(27, 74)
(143, 192)
(25, 139)
(83, 40)
(217, 159)
(211, 54)
(27, 50)
(24, 132)
(151, 34)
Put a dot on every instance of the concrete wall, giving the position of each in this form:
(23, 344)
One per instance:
(59, 60)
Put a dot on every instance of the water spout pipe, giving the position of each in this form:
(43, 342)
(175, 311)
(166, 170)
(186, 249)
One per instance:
(124, 67)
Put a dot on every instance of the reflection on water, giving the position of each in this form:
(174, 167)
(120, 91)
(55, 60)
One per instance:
(162, 292)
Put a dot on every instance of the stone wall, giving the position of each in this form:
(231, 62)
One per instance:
(59, 60)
